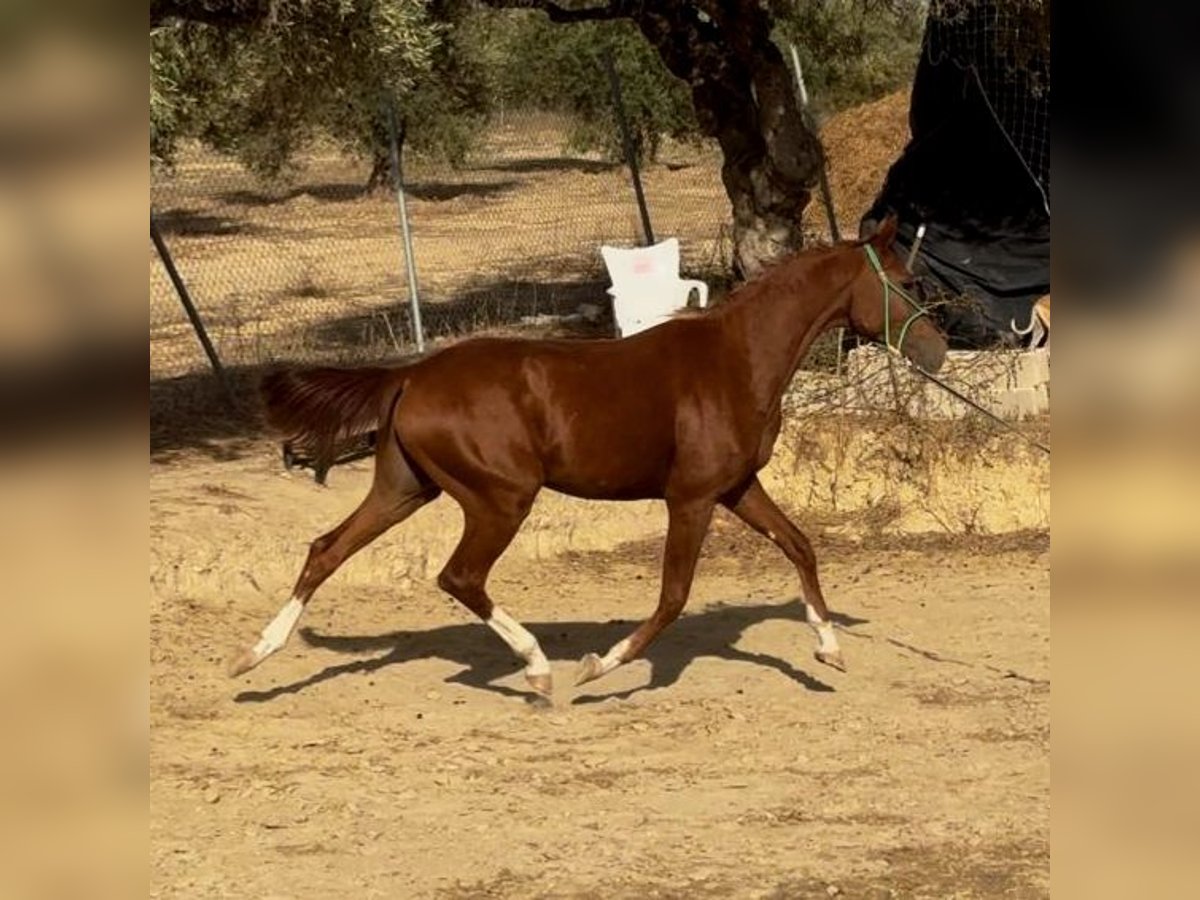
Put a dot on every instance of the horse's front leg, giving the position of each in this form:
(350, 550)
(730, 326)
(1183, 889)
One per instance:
(686, 527)
(755, 507)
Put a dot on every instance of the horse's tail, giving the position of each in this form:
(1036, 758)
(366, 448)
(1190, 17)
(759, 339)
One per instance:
(323, 407)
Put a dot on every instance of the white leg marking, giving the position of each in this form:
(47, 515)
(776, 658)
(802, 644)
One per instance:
(276, 634)
(825, 635)
(524, 644)
(614, 657)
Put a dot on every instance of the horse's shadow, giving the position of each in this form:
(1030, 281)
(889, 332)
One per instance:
(712, 631)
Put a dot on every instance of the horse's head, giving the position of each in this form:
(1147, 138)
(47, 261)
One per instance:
(881, 304)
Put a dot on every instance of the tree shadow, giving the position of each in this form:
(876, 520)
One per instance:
(436, 191)
(331, 192)
(554, 164)
(344, 192)
(711, 632)
(192, 412)
(538, 308)
(183, 222)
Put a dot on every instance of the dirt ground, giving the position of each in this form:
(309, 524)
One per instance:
(389, 751)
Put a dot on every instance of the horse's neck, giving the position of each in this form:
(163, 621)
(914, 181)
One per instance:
(789, 310)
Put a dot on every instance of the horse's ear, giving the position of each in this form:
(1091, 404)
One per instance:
(885, 233)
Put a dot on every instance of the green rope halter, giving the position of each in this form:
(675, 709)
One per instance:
(888, 287)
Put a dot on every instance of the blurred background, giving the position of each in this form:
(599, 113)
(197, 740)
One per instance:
(73, 661)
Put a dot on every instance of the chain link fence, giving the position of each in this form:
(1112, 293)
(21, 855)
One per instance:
(312, 269)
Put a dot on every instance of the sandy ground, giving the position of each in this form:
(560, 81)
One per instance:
(390, 751)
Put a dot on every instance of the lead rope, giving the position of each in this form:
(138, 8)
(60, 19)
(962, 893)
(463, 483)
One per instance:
(888, 286)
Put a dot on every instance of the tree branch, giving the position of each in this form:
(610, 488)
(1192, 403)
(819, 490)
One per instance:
(616, 9)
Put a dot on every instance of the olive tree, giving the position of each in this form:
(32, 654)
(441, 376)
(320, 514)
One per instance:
(260, 79)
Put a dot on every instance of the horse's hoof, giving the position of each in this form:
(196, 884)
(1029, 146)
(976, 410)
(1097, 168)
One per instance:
(590, 668)
(242, 663)
(543, 684)
(832, 658)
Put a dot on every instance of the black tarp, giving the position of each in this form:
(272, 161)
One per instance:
(976, 173)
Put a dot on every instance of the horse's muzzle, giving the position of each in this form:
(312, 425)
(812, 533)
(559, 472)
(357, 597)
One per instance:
(928, 353)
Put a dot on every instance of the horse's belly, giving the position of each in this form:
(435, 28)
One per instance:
(593, 492)
(608, 482)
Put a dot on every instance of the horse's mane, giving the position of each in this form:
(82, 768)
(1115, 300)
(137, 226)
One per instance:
(773, 273)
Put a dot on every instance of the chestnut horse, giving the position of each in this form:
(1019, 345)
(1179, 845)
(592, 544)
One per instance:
(687, 412)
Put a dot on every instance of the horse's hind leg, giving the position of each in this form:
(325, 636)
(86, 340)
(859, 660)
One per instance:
(397, 492)
(487, 532)
(754, 507)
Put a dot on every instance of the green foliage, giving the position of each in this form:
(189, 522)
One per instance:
(447, 107)
(260, 92)
(851, 51)
(561, 68)
(167, 101)
(324, 67)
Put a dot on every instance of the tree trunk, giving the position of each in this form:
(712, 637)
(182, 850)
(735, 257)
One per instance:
(744, 96)
(381, 173)
(380, 178)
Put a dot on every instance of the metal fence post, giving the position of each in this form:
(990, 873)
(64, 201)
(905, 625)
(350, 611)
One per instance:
(822, 180)
(188, 307)
(614, 83)
(409, 261)
(822, 174)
